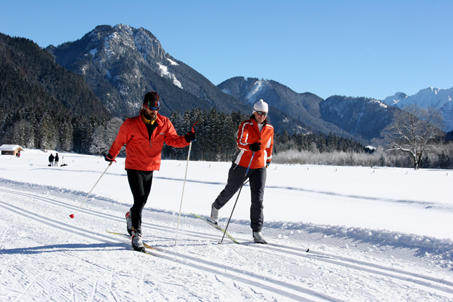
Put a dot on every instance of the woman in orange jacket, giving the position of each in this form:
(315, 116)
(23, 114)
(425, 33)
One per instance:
(144, 136)
(255, 139)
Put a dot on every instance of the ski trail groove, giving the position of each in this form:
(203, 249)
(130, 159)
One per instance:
(284, 289)
(387, 272)
(362, 265)
(243, 276)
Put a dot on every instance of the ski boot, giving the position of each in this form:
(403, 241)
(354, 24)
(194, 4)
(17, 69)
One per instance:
(258, 238)
(129, 222)
(137, 243)
(214, 215)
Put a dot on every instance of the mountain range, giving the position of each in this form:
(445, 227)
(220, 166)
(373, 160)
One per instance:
(440, 99)
(121, 63)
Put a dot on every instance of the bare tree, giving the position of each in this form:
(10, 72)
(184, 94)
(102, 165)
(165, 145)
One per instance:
(413, 131)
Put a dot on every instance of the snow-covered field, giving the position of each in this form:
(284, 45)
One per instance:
(374, 234)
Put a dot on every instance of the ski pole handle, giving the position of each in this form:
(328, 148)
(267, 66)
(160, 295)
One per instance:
(194, 125)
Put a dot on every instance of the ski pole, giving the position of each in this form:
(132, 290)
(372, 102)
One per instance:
(183, 186)
(243, 183)
(72, 215)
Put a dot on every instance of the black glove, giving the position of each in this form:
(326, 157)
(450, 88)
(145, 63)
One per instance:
(190, 136)
(109, 158)
(255, 147)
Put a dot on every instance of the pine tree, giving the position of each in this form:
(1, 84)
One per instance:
(99, 145)
(47, 134)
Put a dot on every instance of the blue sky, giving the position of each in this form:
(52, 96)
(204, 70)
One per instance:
(352, 48)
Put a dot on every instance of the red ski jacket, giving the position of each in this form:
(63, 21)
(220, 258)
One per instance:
(248, 134)
(142, 152)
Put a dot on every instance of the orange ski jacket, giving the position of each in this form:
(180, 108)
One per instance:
(249, 133)
(143, 153)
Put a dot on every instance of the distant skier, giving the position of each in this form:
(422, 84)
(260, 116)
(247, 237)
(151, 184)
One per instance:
(51, 158)
(144, 136)
(255, 140)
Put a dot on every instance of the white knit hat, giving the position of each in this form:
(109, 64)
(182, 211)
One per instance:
(261, 106)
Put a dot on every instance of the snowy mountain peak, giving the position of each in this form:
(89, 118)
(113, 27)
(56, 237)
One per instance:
(123, 41)
(394, 99)
(121, 63)
(430, 97)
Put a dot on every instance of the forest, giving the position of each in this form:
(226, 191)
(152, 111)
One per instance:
(216, 141)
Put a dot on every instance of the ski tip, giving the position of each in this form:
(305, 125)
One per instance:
(150, 247)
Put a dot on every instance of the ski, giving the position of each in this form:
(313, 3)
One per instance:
(145, 252)
(129, 237)
(245, 243)
(216, 226)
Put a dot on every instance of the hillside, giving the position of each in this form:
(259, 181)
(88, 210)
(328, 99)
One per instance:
(441, 99)
(42, 104)
(332, 115)
(361, 117)
(122, 63)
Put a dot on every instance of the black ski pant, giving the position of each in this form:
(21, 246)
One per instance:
(140, 183)
(236, 178)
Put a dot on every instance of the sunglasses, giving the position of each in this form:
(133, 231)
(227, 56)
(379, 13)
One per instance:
(261, 113)
(151, 108)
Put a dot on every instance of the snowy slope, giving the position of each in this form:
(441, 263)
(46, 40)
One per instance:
(429, 97)
(375, 234)
(440, 99)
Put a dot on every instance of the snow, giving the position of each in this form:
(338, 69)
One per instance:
(258, 86)
(172, 62)
(379, 103)
(427, 98)
(6, 147)
(374, 234)
(166, 74)
(226, 91)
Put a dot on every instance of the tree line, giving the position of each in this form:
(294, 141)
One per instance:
(380, 158)
(34, 119)
(216, 140)
(216, 137)
(412, 139)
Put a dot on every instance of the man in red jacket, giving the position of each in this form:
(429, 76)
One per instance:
(255, 139)
(144, 136)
